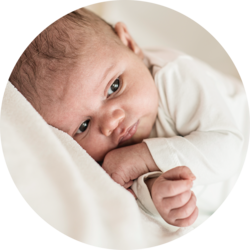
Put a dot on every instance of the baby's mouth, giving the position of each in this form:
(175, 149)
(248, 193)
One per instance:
(130, 132)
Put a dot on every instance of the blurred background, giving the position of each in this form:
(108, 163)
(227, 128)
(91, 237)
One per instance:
(155, 26)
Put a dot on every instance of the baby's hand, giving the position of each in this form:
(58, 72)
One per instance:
(128, 163)
(172, 196)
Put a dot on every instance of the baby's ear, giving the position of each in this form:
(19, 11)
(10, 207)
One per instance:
(127, 40)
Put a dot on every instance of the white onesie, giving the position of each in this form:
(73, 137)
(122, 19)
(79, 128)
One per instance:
(202, 123)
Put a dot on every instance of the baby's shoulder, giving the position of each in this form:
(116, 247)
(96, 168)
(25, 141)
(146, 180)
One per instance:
(160, 57)
(156, 59)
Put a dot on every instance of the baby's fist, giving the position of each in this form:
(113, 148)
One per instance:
(173, 198)
(128, 163)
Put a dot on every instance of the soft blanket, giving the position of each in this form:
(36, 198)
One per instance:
(68, 189)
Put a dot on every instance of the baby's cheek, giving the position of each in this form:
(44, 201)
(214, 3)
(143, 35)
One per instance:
(144, 130)
(97, 150)
(139, 136)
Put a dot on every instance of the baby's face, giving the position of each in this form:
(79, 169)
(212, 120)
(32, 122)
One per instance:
(109, 101)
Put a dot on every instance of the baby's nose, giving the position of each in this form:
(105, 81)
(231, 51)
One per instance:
(111, 121)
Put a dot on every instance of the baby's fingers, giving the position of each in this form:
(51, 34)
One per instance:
(176, 201)
(164, 189)
(187, 221)
(186, 212)
(132, 192)
(128, 184)
(179, 173)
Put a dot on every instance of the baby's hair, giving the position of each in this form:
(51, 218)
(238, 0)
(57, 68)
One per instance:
(54, 52)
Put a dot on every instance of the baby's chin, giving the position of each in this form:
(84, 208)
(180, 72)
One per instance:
(127, 143)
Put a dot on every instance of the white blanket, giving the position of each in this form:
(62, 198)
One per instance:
(67, 188)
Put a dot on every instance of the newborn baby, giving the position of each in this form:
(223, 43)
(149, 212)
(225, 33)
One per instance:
(93, 82)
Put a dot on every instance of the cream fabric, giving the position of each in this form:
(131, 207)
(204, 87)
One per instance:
(202, 123)
(67, 188)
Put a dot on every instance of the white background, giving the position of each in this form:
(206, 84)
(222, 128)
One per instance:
(155, 26)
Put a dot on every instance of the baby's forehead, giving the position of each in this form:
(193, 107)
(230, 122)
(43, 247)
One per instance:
(96, 65)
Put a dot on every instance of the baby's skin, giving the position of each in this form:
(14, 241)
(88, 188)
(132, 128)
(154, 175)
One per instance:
(110, 117)
(170, 192)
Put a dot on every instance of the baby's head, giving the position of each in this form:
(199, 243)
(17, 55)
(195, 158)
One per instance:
(89, 80)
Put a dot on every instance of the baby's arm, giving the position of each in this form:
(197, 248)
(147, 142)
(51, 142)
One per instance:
(173, 198)
(170, 192)
(128, 163)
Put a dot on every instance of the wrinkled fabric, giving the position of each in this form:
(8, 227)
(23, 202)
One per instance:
(67, 188)
(202, 123)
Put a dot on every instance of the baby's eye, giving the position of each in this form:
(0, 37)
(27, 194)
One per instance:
(114, 87)
(83, 127)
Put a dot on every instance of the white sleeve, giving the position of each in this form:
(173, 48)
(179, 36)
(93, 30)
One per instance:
(145, 202)
(141, 191)
(207, 138)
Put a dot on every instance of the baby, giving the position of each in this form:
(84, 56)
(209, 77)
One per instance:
(136, 112)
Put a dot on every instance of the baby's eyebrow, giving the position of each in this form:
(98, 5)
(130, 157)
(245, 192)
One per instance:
(105, 74)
